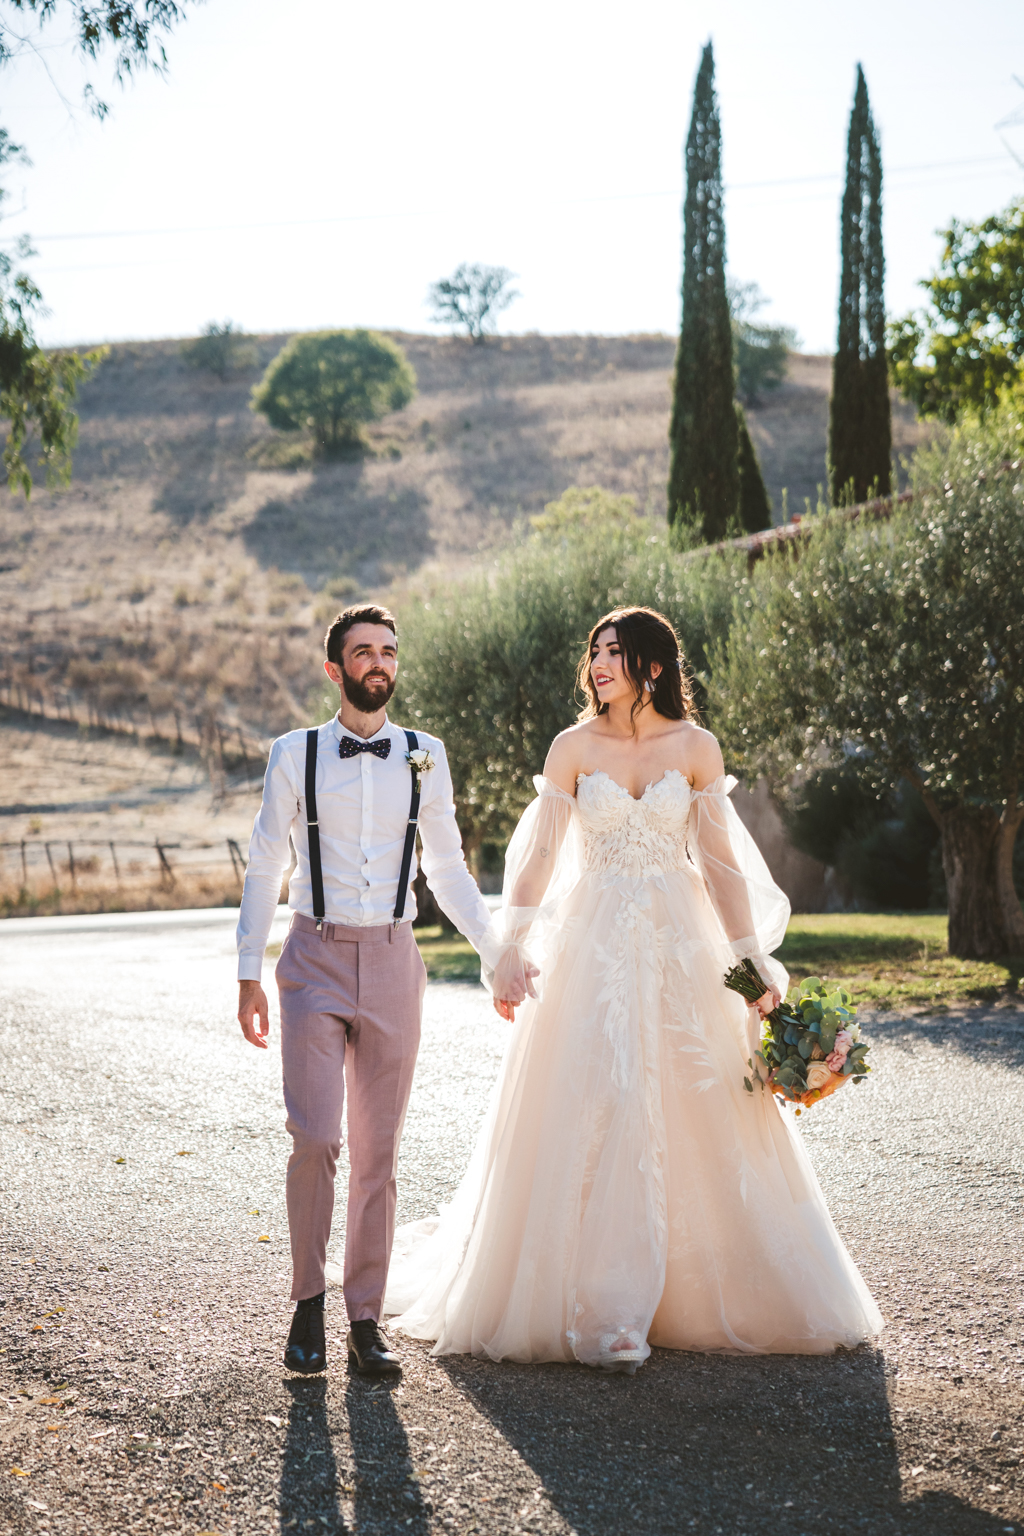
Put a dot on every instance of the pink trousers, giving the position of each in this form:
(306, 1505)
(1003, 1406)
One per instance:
(351, 1000)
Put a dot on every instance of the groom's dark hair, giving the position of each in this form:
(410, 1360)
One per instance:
(334, 640)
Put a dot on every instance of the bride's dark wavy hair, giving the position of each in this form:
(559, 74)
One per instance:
(645, 637)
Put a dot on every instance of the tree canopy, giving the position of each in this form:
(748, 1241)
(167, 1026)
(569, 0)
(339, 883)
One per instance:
(134, 28)
(968, 344)
(896, 649)
(330, 383)
(472, 298)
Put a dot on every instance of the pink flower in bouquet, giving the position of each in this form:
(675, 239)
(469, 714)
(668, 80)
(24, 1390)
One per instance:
(839, 1053)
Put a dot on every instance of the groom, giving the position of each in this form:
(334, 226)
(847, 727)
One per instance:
(349, 796)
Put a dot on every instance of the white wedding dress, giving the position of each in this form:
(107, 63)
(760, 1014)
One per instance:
(625, 1188)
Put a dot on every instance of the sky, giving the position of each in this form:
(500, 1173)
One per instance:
(318, 164)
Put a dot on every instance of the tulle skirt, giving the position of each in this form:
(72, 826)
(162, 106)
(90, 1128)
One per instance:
(625, 1186)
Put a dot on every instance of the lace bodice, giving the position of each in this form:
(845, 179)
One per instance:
(625, 836)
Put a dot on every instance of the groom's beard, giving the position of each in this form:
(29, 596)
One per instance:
(369, 693)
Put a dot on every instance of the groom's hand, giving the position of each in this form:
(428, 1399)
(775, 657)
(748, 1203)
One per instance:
(252, 1005)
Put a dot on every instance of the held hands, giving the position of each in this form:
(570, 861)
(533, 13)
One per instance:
(513, 982)
(252, 1005)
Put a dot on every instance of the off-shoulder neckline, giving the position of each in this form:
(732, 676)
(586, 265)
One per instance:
(636, 799)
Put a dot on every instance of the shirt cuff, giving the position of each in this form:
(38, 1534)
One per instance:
(250, 967)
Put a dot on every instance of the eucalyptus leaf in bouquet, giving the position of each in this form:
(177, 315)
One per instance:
(810, 1042)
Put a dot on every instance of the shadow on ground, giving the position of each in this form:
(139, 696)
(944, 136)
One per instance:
(714, 1443)
(342, 521)
(994, 1035)
(377, 1491)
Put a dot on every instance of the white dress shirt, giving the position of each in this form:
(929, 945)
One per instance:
(362, 806)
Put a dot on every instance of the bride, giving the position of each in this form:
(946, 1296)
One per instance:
(625, 1189)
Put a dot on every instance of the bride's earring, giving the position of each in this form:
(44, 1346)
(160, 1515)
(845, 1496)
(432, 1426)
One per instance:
(648, 687)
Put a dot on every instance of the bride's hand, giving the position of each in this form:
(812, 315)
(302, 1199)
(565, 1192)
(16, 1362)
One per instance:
(769, 1000)
(504, 1007)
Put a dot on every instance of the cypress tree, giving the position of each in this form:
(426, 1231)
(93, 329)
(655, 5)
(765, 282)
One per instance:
(755, 506)
(703, 485)
(860, 424)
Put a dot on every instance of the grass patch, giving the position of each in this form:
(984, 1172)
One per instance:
(894, 959)
(889, 959)
(447, 956)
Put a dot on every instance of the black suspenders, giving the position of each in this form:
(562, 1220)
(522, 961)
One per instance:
(410, 834)
(316, 872)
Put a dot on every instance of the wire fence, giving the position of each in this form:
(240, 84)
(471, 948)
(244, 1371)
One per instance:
(229, 751)
(87, 870)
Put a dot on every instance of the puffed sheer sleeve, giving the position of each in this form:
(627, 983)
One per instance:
(752, 909)
(542, 865)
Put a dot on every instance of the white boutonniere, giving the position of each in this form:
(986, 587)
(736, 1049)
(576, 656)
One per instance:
(420, 762)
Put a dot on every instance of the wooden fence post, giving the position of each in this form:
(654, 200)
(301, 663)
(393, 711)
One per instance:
(166, 872)
(53, 872)
(71, 867)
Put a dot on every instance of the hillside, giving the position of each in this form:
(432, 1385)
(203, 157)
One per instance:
(181, 585)
(186, 567)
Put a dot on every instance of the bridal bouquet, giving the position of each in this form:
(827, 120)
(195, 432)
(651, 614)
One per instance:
(810, 1044)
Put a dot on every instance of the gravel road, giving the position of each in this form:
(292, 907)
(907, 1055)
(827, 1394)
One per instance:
(144, 1285)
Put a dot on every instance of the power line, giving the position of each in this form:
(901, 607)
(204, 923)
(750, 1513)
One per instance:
(360, 218)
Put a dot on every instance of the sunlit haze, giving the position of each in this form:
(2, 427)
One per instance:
(319, 164)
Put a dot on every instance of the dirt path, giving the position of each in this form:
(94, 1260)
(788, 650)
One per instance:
(143, 1319)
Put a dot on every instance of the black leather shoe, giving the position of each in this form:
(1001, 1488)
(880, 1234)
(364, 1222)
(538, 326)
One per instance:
(306, 1350)
(369, 1352)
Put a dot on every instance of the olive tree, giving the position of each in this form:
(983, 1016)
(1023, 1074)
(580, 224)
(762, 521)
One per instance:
(331, 383)
(897, 648)
(489, 663)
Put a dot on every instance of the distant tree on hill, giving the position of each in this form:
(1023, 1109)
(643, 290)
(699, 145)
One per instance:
(703, 484)
(37, 388)
(969, 343)
(331, 383)
(220, 349)
(759, 352)
(860, 421)
(472, 297)
(755, 505)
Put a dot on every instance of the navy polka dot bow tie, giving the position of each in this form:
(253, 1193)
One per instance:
(349, 747)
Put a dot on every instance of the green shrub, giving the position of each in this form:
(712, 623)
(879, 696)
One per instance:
(330, 383)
